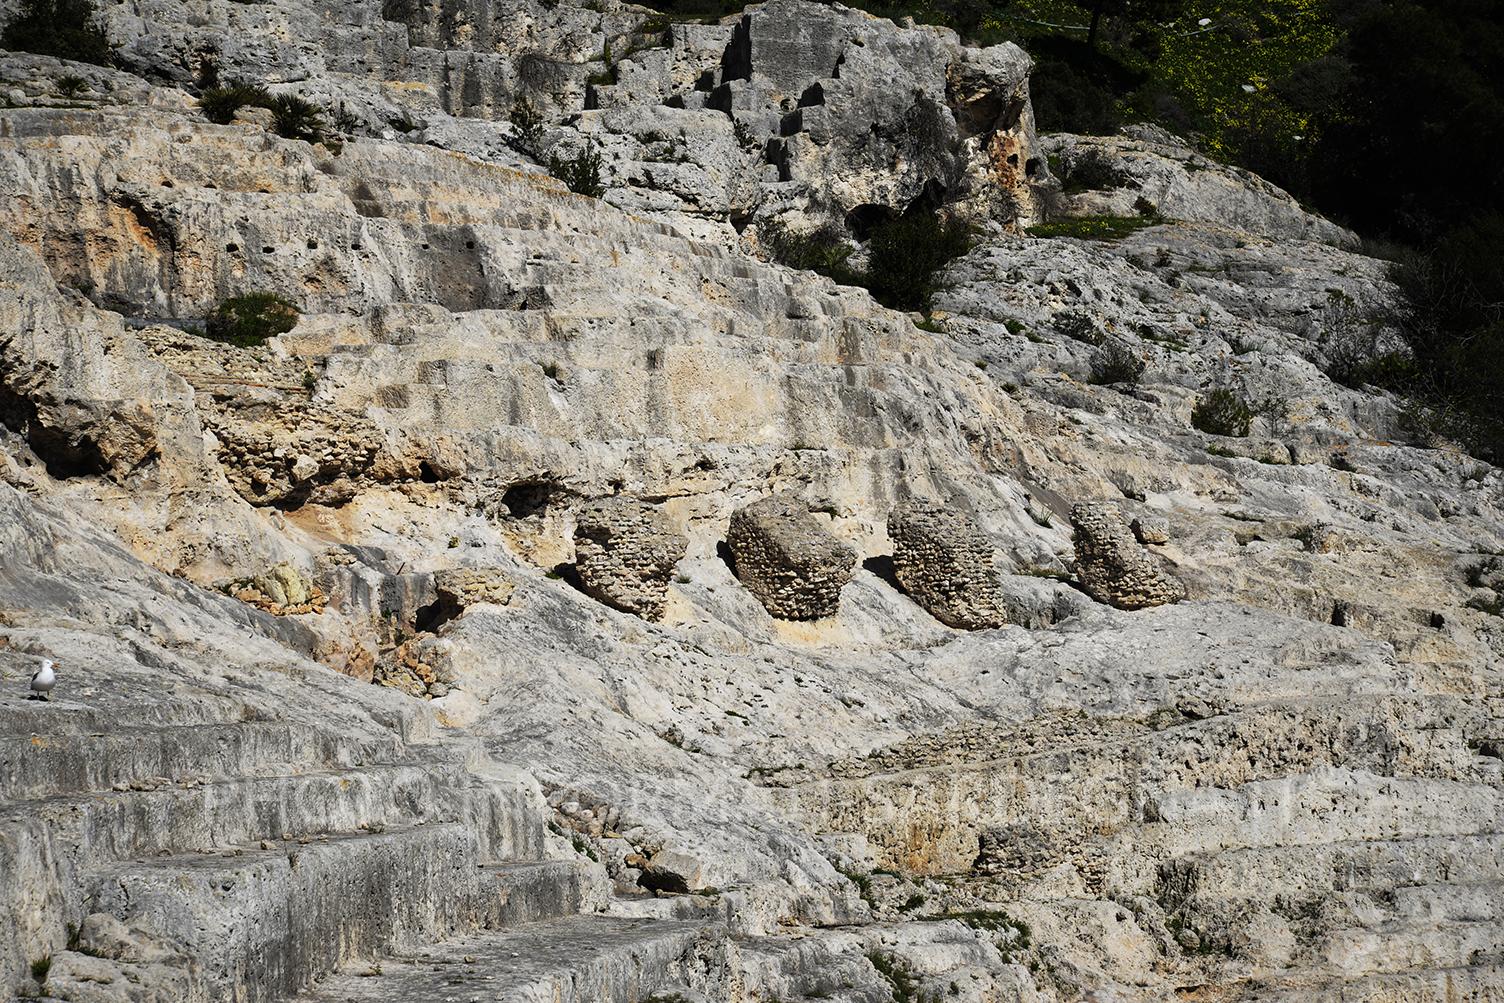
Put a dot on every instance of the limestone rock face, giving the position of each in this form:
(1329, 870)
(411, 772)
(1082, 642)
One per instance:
(625, 553)
(1111, 564)
(865, 118)
(1287, 788)
(944, 561)
(1185, 185)
(787, 559)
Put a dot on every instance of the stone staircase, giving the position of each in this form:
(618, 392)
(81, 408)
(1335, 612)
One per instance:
(576, 959)
(272, 854)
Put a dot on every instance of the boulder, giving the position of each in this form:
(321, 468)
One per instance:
(625, 553)
(943, 560)
(1112, 566)
(788, 559)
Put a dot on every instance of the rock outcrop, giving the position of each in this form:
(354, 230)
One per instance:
(787, 559)
(625, 554)
(945, 563)
(1287, 787)
(1112, 566)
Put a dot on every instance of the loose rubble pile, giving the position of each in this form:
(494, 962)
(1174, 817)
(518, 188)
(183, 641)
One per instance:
(1142, 712)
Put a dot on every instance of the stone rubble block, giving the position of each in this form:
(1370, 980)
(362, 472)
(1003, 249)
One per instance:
(1113, 567)
(459, 588)
(625, 554)
(788, 559)
(943, 560)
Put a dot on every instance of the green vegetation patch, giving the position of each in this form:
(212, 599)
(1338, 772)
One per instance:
(67, 29)
(1222, 412)
(248, 321)
(905, 256)
(1093, 227)
(580, 172)
(292, 116)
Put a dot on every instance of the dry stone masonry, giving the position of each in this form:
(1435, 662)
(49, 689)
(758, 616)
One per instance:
(788, 559)
(1112, 566)
(625, 553)
(944, 562)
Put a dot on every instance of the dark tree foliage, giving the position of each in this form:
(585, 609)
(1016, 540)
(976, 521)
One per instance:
(1413, 143)
(1076, 88)
(1410, 147)
(1129, 13)
(905, 256)
(68, 29)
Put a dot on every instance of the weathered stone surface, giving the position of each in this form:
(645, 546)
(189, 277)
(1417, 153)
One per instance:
(787, 559)
(1288, 788)
(282, 590)
(945, 562)
(1186, 185)
(1150, 529)
(1112, 566)
(625, 553)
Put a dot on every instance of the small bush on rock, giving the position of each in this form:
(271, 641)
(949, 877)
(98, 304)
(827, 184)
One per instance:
(824, 250)
(1115, 362)
(67, 29)
(294, 118)
(905, 255)
(71, 86)
(581, 173)
(219, 104)
(1222, 412)
(247, 321)
(528, 122)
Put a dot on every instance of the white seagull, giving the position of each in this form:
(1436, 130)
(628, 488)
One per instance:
(42, 680)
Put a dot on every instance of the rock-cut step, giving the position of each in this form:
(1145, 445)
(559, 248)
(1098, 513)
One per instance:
(582, 959)
(262, 924)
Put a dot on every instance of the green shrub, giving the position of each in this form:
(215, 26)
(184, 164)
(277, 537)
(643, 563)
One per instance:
(67, 29)
(40, 969)
(1395, 371)
(219, 104)
(904, 257)
(292, 116)
(1222, 412)
(247, 321)
(825, 250)
(295, 118)
(1115, 362)
(528, 122)
(904, 985)
(581, 173)
(70, 85)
